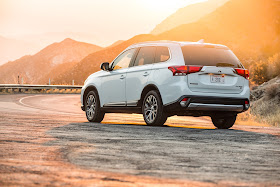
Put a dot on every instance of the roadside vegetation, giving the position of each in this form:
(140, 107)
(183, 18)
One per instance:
(265, 90)
(263, 69)
(265, 104)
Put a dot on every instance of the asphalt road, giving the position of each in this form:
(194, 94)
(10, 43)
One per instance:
(46, 140)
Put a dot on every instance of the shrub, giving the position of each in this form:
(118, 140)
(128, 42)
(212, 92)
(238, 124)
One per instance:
(273, 91)
(260, 72)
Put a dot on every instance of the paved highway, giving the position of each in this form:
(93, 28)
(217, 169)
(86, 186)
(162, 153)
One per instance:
(46, 140)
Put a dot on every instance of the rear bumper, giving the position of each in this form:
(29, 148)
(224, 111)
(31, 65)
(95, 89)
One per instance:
(206, 106)
(215, 107)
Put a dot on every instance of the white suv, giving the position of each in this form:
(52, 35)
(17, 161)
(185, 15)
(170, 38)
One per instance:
(162, 79)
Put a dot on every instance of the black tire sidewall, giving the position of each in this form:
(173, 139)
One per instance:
(98, 115)
(161, 117)
(227, 122)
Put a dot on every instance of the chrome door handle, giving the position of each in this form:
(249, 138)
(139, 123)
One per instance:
(146, 74)
(122, 77)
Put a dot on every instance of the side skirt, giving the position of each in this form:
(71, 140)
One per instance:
(128, 110)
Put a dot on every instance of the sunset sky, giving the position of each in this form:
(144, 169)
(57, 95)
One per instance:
(95, 21)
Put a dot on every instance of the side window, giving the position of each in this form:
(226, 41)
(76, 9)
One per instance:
(162, 54)
(146, 55)
(123, 60)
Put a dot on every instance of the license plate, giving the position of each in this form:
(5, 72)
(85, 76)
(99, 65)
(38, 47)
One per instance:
(217, 79)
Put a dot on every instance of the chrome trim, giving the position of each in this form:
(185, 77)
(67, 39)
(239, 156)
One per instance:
(114, 104)
(132, 103)
(215, 107)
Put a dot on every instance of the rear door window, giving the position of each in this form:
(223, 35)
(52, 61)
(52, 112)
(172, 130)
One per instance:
(146, 55)
(162, 54)
(209, 55)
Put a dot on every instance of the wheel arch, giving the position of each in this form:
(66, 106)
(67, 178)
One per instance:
(146, 89)
(87, 90)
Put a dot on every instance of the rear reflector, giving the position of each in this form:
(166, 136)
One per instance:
(184, 102)
(185, 99)
(243, 72)
(184, 70)
(247, 105)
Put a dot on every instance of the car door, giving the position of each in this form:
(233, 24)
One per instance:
(138, 74)
(113, 82)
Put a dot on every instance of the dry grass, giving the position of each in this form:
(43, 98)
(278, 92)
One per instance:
(266, 109)
(273, 92)
(248, 119)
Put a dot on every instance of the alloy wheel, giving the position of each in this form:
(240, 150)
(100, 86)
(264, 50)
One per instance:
(91, 105)
(150, 108)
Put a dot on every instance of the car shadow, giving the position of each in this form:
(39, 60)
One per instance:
(172, 152)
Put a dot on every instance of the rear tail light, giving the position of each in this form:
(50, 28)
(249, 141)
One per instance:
(184, 102)
(243, 72)
(247, 105)
(184, 70)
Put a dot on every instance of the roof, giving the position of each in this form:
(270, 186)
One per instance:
(181, 43)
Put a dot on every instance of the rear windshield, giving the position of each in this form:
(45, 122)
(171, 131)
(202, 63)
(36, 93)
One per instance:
(209, 55)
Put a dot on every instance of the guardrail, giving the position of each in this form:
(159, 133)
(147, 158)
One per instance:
(26, 87)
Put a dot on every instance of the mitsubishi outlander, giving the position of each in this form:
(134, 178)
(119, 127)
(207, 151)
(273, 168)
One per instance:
(166, 78)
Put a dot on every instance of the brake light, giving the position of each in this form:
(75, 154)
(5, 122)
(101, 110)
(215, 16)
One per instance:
(184, 70)
(243, 72)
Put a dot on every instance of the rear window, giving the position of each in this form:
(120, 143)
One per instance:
(209, 55)
(145, 56)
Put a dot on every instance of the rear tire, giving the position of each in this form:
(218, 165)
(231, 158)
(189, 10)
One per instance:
(223, 122)
(152, 109)
(92, 107)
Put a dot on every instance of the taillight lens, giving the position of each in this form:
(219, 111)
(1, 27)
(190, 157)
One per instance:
(243, 72)
(184, 102)
(247, 104)
(184, 70)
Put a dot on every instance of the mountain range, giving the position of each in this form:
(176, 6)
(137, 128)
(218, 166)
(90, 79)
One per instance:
(12, 49)
(188, 14)
(251, 28)
(48, 63)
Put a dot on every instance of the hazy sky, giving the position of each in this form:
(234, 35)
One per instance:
(99, 21)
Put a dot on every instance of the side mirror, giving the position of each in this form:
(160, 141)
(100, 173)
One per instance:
(105, 66)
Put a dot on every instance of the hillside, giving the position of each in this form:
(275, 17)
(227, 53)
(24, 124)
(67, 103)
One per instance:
(249, 27)
(11, 49)
(92, 62)
(116, 43)
(188, 14)
(265, 102)
(37, 69)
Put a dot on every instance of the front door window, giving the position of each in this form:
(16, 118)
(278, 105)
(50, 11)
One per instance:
(123, 60)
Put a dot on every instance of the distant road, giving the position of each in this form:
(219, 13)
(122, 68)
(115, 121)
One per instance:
(46, 140)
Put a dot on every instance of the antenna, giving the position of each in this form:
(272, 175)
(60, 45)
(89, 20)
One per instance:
(201, 41)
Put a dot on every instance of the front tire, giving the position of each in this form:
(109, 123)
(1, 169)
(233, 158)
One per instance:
(152, 109)
(223, 122)
(93, 111)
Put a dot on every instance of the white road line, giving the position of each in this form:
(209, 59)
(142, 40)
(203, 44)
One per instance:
(34, 107)
(20, 101)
